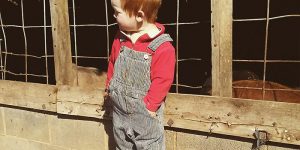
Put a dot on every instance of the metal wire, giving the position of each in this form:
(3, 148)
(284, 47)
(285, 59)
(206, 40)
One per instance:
(25, 39)
(266, 89)
(269, 61)
(1, 60)
(107, 30)
(45, 44)
(75, 32)
(5, 45)
(177, 46)
(270, 18)
(266, 47)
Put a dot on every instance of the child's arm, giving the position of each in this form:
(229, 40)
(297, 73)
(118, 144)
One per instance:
(162, 75)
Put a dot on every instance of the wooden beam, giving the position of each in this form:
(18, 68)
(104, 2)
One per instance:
(61, 42)
(237, 117)
(28, 95)
(229, 116)
(80, 101)
(221, 34)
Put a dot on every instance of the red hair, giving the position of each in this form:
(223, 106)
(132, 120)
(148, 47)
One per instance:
(149, 7)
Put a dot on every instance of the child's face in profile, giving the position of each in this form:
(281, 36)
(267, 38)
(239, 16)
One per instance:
(125, 22)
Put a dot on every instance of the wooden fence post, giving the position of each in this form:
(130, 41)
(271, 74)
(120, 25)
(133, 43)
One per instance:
(221, 33)
(64, 74)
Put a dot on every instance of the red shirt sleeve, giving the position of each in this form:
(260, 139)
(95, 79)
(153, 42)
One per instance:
(162, 75)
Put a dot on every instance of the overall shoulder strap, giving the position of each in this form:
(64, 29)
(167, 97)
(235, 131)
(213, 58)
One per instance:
(159, 40)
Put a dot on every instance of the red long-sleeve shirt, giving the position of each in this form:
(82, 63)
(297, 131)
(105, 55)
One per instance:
(162, 66)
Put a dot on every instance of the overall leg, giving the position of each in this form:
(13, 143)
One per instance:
(120, 121)
(120, 130)
(149, 130)
(159, 144)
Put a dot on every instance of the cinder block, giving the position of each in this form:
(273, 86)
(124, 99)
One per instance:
(271, 147)
(62, 132)
(170, 139)
(92, 135)
(27, 124)
(14, 143)
(78, 134)
(186, 141)
(2, 121)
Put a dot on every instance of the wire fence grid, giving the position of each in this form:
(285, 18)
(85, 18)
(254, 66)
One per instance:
(109, 27)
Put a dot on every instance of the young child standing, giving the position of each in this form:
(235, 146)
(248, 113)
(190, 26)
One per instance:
(140, 74)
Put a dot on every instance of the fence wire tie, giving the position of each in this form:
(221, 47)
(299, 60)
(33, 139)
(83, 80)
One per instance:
(211, 128)
(261, 137)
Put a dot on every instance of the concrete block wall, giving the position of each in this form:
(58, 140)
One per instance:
(31, 130)
(35, 130)
(181, 140)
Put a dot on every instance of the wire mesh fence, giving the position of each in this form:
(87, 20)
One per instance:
(26, 41)
(265, 41)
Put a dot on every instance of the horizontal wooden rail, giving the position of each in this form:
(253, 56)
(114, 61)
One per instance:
(229, 116)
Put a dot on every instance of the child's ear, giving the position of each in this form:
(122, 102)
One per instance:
(140, 16)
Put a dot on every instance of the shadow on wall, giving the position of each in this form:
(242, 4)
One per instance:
(90, 77)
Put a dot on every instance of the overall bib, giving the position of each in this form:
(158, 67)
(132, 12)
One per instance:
(134, 127)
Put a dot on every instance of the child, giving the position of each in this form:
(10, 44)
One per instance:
(140, 74)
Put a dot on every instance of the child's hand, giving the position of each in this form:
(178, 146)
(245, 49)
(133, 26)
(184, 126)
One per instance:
(106, 99)
(105, 94)
(107, 105)
(152, 114)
